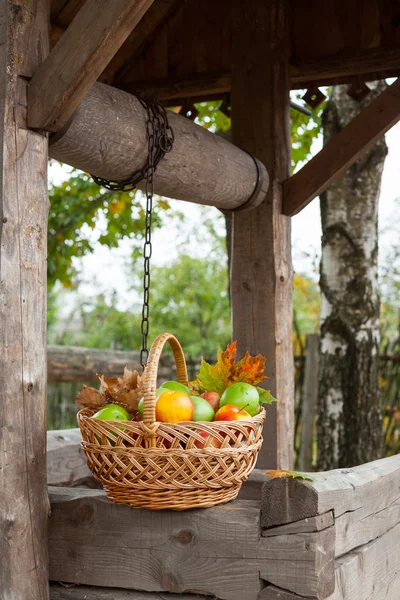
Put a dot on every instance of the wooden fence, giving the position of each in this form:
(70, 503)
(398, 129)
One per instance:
(335, 538)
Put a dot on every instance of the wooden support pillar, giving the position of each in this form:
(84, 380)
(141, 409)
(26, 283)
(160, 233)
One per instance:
(261, 272)
(24, 504)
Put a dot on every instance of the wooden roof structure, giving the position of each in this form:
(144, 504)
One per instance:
(72, 83)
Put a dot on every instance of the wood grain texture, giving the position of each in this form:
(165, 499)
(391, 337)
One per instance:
(310, 524)
(342, 151)
(261, 271)
(107, 137)
(217, 551)
(271, 592)
(23, 242)
(371, 572)
(309, 403)
(364, 500)
(66, 462)
(71, 363)
(83, 592)
(140, 40)
(74, 64)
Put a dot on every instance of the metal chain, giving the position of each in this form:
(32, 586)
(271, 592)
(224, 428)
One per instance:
(160, 139)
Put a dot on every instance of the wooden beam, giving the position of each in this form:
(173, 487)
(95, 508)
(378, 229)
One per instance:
(217, 551)
(309, 404)
(141, 38)
(85, 592)
(70, 363)
(344, 65)
(23, 233)
(195, 86)
(342, 151)
(261, 273)
(79, 57)
(107, 137)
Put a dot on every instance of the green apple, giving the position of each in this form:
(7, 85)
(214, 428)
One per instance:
(112, 412)
(203, 410)
(175, 386)
(242, 395)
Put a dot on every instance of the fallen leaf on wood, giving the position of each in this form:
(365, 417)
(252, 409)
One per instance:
(281, 473)
(90, 398)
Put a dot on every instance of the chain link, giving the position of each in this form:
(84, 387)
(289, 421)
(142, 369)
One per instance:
(160, 139)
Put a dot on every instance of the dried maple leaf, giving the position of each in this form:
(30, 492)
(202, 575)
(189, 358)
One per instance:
(90, 398)
(282, 473)
(110, 386)
(130, 380)
(130, 399)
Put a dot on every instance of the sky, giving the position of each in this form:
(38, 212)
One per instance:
(306, 233)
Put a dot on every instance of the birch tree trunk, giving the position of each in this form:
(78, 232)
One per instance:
(349, 426)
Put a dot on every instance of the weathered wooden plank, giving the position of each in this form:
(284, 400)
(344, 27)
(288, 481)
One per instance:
(74, 64)
(308, 409)
(342, 151)
(261, 271)
(23, 235)
(376, 516)
(317, 523)
(366, 487)
(71, 363)
(371, 572)
(66, 462)
(271, 592)
(141, 38)
(216, 551)
(107, 137)
(83, 592)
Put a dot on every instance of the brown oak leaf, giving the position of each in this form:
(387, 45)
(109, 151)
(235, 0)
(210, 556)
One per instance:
(110, 386)
(130, 380)
(90, 398)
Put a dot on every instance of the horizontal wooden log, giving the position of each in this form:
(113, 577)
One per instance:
(107, 137)
(71, 363)
(342, 150)
(217, 551)
(66, 462)
(365, 501)
(83, 592)
(371, 572)
(74, 64)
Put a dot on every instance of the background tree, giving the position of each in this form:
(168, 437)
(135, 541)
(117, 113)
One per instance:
(349, 411)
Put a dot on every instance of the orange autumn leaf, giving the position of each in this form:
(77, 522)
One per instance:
(250, 369)
(282, 473)
(225, 372)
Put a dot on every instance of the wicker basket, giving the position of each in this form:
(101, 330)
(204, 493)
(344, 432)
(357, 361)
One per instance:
(156, 465)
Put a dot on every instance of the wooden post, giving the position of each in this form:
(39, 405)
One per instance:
(261, 273)
(24, 503)
(309, 402)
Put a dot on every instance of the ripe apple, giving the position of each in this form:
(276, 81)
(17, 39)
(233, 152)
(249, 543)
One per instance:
(175, 386)
(209, 440)
(203, 411)
(112, 412)
(173, 407)
(230, 412)
(212, 398)
(242, 395)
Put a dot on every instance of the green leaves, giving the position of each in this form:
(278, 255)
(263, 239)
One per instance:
(265, 396)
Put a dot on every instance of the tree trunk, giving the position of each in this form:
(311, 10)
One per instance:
(349, 407)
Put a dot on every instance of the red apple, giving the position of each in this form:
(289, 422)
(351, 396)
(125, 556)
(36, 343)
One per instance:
(212, 398)
(230, 412)
(209, 441)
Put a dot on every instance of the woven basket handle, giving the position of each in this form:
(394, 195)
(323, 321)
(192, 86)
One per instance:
(150, 376)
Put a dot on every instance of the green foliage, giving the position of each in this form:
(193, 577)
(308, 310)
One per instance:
(304, 131)
(82, 215)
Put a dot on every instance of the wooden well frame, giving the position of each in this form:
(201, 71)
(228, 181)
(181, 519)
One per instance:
(264, 49)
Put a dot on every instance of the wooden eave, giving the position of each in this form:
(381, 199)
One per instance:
(183, 48)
